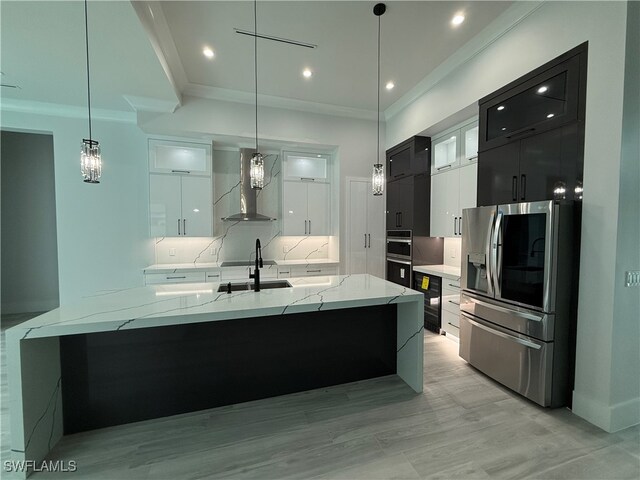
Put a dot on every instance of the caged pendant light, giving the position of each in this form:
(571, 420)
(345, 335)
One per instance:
(377, 179)
(90, 159)
(256, 171)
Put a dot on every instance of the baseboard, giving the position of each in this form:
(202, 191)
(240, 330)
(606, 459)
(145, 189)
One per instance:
(29, 307)
(610, 418)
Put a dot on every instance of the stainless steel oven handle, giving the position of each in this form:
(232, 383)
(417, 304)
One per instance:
(513, 338)
(528, 316)
(403, 262)
(399, 240)
(495, 274)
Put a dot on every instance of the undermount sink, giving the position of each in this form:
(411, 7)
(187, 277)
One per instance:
(237, 287)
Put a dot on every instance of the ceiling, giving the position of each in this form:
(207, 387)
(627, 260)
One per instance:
(43, 49)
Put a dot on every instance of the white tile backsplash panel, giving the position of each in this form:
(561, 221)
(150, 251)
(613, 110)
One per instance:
(236, 240)
(452, 249)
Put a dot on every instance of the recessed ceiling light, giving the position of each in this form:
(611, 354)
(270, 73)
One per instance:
(207, 52)
(457, 19)
(503, 128)
(543, 89)
(550, 115)
(390, 85)
(307, 73)
(501, 107)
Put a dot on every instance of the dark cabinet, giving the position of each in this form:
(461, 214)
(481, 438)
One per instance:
(547, 98)
(410, 157)
(408, 204)
(531, 169)
(531, 139)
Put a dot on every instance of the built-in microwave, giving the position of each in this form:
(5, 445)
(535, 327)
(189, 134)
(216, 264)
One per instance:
(399, 244)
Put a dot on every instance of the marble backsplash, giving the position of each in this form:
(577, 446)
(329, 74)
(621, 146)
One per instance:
(236, 240)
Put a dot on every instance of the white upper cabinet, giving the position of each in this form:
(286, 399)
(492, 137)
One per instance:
(304, 166)
(470, 146)
(306, 208)
(197, 207)
(445, 189)
(445, 152)
(168, 156)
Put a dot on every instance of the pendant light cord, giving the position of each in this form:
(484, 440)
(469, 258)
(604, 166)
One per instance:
(86, 38)
(255, 49)
(378, 119)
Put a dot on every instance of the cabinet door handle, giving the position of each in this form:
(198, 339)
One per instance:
(523, 186)
(184, 226)
(455, 303)
(369, 240)
(452, 285)
(178, 226)
(309, 227)
(514, 188)
(455, 225)
(314, 271)
(175, 278)
(180, 171)
(520, 134)
(365, 240)
(442, 168)
(305, 227)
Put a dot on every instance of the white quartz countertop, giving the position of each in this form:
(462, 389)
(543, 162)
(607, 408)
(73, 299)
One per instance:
(198, 267)
(444, 271)
(160, 305)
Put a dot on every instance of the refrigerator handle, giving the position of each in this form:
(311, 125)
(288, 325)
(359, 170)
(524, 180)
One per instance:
(488, 255)
(495, 274)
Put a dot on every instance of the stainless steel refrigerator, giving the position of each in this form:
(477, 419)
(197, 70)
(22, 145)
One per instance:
(519, 289)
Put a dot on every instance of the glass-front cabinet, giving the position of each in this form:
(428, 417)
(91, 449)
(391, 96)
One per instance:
(445, 152)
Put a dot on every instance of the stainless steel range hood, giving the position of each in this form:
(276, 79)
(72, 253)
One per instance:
(248, 200)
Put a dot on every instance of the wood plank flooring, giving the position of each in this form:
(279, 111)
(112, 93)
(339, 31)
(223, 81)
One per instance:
(463, 426)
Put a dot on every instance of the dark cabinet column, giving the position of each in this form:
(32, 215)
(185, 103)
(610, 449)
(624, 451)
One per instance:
(540, 165)
(499, 175)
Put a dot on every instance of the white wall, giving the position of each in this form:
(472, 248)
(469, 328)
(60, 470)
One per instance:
(549, 31)
(354, 140)
(30, 254)
(102, 230)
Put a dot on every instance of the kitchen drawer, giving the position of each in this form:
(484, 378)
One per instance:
(212, 276)
(451, 303)
(451, 323)
(284, 272)
(313, 270)
(187, 277)
(451, 285)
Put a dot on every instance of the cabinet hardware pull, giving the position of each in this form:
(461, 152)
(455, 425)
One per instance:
(307, 179)
(523, 186)
(519, 134)
(452, 324)
(309, 227)
(213, 276)
(178, 226)
(180, 171)
(442, 168)
(174, 278)
(455, 303)
(305, 227)
(454, 286)
(314, 271)
(184, 226)
(514, 188)
(369, 240)
(455, 225)
(365, 240)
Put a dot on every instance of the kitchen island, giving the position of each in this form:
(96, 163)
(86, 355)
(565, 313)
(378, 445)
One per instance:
(133, 354)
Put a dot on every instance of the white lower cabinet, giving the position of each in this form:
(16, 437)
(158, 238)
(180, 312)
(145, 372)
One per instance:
(450, 302)
(186, 277)
(306, 270)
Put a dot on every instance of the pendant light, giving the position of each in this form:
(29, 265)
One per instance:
(377, 179)
(90, 160)
(256, 171)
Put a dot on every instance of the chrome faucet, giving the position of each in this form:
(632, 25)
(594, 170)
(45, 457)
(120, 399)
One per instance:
(256, 273)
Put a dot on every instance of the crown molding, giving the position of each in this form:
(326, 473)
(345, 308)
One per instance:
(148, 104)
(66, 111)
(229, 95)
(505, 22)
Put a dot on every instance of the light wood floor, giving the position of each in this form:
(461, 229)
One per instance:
(464, 426)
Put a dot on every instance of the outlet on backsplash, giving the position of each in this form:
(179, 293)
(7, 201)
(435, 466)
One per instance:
(172, 252)
(452, 248)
